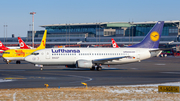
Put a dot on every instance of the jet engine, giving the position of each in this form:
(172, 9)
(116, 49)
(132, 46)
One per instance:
(84, 64)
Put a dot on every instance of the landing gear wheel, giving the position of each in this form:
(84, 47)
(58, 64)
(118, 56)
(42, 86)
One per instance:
(41, 68)
(99, 68)
(93, 68)
(7, 61)
(18, 62)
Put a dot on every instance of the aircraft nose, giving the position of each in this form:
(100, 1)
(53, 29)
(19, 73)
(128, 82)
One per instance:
(3, 55)
(28, 58)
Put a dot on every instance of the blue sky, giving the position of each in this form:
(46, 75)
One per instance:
(15, 13)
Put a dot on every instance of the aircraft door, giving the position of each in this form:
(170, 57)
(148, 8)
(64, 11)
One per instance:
(47, 55)
(138, 55)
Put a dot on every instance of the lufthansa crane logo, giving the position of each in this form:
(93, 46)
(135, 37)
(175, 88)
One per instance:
(154, 36)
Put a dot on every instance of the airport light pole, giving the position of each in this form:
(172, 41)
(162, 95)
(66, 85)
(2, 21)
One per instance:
(132, 32)
(32, 13)
(5, 32)
(96, 34)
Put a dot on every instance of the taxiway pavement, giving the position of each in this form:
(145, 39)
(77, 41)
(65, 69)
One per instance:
(151, 71)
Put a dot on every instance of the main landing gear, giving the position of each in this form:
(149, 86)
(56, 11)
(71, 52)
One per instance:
(18, 62)
(97, 67)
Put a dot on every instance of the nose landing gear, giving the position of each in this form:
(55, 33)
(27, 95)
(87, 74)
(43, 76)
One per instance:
(41, 66)
(7, 61)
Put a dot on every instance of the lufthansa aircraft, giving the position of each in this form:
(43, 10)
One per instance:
(19, 54)
(93, 58)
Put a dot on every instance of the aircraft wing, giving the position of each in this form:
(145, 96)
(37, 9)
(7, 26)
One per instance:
(108, 59)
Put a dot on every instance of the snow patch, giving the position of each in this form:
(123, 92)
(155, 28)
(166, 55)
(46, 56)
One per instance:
(135, 89)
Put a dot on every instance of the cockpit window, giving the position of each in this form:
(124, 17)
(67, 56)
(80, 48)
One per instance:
(6, 52)
(34, 53)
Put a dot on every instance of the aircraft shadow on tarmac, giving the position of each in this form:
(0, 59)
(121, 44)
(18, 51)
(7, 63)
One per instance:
(86, 69)
(70, 69)
(13, 63)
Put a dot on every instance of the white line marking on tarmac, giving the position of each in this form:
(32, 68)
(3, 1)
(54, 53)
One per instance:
(134, 68)
(12, 70)
(171, 72)
(2, 80)
(89, 79)
(160, 64)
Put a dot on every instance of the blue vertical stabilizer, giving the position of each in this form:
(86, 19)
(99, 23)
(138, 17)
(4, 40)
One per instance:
(152, 38)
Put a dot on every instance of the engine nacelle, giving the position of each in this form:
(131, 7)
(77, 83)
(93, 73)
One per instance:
(84, 64)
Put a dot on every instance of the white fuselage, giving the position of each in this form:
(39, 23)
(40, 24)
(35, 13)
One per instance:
(69, 56)
(13, 47)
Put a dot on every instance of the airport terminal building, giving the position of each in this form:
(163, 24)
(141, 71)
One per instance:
(101, 33)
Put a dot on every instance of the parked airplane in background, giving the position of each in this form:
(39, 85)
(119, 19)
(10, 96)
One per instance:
(93, 58)
(114, 44)
(19, 54)
(22, 44)
(3, 48)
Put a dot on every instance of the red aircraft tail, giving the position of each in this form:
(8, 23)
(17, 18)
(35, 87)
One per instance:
(22, 44)
(114, 44)
(2, 47)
